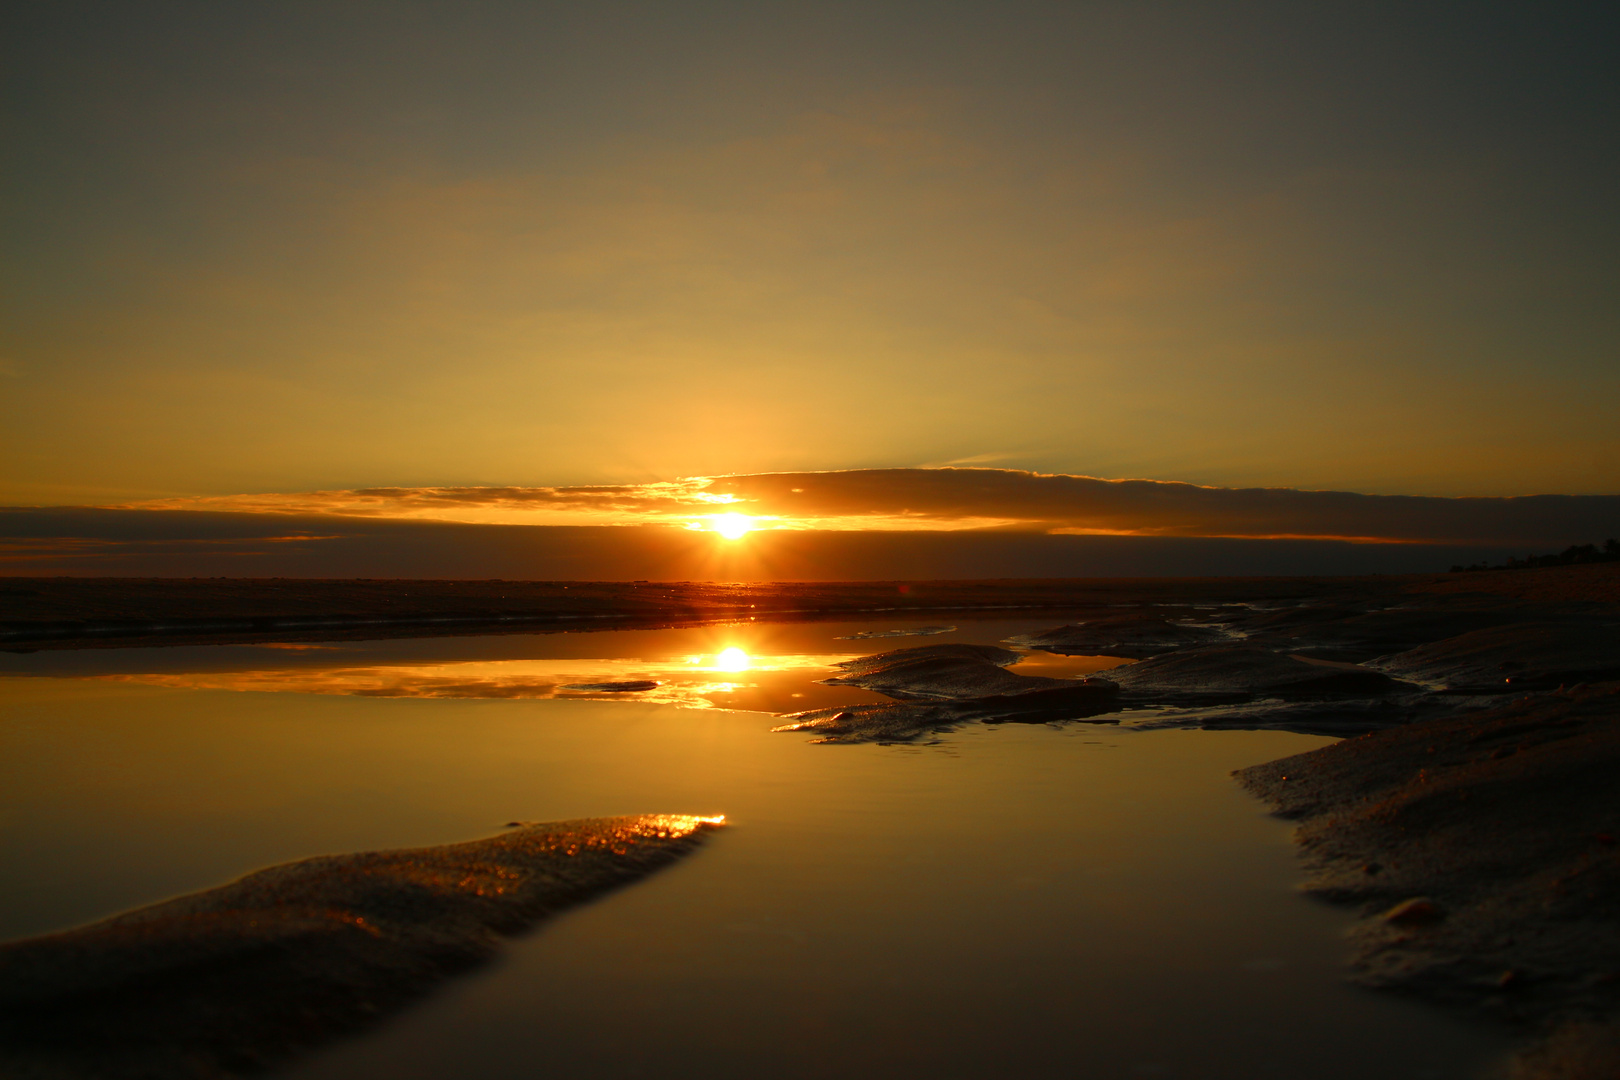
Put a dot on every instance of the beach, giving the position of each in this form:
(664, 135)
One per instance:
(1368, 690)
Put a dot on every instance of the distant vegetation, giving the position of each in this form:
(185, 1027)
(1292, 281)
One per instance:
(1570, 556)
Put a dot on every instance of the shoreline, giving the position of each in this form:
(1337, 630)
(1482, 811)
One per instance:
(1481, 851)
(70, 612)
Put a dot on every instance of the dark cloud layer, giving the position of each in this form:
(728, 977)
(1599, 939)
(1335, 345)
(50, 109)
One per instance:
(193, 544)
(959, 497)
(1160, 508)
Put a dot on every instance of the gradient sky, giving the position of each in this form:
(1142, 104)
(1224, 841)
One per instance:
(295, 247)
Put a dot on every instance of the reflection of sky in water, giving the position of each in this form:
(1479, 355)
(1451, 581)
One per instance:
(766, 667)
(1035, 901)
(694, 682)
(1072, 900)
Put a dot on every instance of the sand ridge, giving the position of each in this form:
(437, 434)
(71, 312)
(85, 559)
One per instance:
(236, 979)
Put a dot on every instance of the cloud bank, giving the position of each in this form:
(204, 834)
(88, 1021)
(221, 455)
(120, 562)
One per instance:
(951, 499)
(148, 543)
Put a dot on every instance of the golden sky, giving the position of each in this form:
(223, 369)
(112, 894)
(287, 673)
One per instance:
(326, 248)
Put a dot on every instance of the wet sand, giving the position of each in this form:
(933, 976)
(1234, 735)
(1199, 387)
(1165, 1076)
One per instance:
(1484, 853)
(242, 977)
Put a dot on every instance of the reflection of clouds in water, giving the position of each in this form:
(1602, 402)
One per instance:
(687, 682)
(361, 684)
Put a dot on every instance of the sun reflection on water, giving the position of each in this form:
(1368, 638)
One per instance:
(675, 825)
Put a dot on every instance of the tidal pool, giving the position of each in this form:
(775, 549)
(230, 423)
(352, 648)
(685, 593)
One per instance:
(1037, 900)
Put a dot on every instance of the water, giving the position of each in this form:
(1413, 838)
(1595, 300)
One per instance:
(1039, 900)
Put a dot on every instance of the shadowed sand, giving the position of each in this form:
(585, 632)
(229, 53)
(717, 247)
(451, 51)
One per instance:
(1129, 636)
(1248, 669)
(1529, 656)
(981, 655)
(953, 683)
(236, 979)
(1484, 850)
(918, 631)
(941, 672)
(903, 721)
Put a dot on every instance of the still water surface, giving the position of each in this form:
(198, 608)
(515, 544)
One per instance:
(1044, 900)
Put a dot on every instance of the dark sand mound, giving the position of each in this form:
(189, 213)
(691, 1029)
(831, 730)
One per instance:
(233, 980)
(957, 683)
(1267, 620)
(1130, 636)
(916, 631)
(1515, 657)
(1246, 669)
(1485, 852)
(1357, 638)
(1339, 717)
(1072, 699)
(964, 683)
(947, 678)
(984, 654)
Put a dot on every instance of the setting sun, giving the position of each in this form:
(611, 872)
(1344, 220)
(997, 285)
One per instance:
(732, 659)
(732, 526)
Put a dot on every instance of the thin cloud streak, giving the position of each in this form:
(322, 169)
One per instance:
(952, 499)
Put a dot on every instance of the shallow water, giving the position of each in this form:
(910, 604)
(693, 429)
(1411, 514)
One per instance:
(1043, 900)
(765, 666)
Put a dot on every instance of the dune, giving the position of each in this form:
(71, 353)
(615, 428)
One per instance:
(945, 679)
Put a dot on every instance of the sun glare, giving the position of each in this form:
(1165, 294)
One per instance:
(732, 659)
(732, 526)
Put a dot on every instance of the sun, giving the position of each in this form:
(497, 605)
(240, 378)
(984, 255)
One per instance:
(732, 526)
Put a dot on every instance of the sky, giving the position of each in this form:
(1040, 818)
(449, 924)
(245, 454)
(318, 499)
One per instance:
(257, 257)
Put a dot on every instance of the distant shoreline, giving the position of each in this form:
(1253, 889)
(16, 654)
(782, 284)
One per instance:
(70, 613)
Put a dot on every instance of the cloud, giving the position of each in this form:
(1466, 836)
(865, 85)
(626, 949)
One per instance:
(951, 499)
(1083, 504)
(143, 543)
(623, 504)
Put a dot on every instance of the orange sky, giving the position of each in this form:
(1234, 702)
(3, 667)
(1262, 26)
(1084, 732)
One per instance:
(431, 245)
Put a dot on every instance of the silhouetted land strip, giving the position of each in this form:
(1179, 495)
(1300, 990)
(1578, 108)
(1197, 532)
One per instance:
(1574, 555)
(38, 613)
(234, 980)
